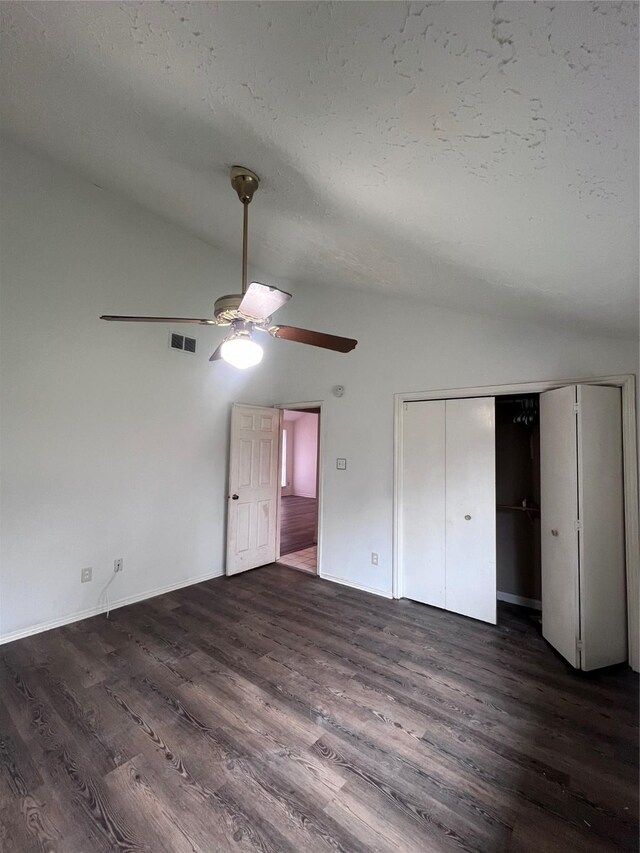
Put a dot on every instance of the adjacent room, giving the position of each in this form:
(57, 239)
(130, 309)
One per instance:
(299, 453)
(319, 351)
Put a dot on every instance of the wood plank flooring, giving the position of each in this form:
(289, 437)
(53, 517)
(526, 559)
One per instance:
(298, 523)
(274, 711)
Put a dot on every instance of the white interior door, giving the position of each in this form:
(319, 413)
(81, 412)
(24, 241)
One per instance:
(558, 521)
(253, 487)
(422, 515)
(471, 508)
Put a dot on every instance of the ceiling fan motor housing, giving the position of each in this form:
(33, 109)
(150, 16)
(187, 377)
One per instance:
(226, 310)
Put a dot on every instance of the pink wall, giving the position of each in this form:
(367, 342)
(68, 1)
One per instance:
(305, 455)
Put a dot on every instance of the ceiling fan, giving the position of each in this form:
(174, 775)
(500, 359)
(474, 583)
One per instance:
(252, 309)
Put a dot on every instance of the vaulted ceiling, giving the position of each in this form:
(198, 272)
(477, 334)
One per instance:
(480, 155)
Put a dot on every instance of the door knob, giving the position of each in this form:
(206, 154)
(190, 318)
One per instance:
(234, 497)
(467, 518)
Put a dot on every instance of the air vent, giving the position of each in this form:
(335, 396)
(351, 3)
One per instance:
(182, 343)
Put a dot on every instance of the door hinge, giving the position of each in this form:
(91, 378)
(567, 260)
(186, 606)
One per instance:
(576, 407)
(578, 524)
(578, 645)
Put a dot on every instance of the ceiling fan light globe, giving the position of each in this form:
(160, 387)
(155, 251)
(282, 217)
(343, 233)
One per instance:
(241, 352)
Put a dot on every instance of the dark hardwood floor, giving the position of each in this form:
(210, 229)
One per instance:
(297, 524)
(274, 711)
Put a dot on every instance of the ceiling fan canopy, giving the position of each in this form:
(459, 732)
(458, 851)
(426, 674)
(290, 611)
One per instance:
(252, 309)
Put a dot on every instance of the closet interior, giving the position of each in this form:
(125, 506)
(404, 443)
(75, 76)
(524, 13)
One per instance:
(518, 559)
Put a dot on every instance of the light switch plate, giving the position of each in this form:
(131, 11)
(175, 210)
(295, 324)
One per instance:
(341, 464)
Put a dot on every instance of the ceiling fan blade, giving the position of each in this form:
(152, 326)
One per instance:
(217, 353)
(126, 319)
(261, 301)
(314, 339)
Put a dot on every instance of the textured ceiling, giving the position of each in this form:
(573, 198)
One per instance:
(481, 155)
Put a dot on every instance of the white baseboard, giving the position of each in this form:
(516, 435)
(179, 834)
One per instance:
(102, 608)
(360, 586)
(521, 600)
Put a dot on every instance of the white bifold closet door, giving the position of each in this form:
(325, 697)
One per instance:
(448, 506)
(423, 503)
(582, 524)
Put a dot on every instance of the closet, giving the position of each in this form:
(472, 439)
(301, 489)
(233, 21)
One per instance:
(561, 483)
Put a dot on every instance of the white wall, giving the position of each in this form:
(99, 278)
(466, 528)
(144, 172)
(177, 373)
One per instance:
(305, 455)
(112, 444)
(405, 345)
(115, 446)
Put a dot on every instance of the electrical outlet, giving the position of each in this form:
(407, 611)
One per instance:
(85, 575)
(374, 558)
(117, 565)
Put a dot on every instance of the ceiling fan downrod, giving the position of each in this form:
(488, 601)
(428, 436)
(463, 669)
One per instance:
(245, 183)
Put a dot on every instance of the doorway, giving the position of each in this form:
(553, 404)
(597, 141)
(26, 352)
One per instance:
(299, 486)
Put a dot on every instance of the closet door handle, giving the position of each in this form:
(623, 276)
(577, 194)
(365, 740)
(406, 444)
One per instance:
(554, 532)
(467, 518)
